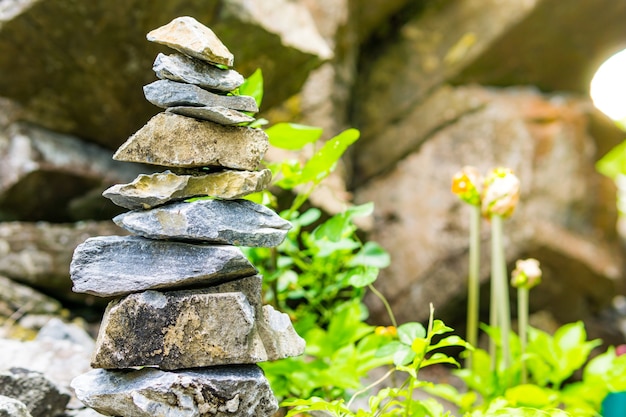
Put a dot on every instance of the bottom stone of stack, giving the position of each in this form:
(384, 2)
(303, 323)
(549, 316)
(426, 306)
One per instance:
(216, 392)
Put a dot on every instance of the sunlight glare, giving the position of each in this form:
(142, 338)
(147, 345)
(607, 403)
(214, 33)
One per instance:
(608, 87)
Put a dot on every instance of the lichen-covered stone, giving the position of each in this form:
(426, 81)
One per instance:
(217, 114)
(178, 141)
(177, 67)
(115, 265)
(241, 391)
(185, 34)
(148, 191)
(167, 93)
(233, 222)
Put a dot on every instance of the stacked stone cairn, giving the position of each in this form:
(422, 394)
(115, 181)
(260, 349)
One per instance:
(187, 327)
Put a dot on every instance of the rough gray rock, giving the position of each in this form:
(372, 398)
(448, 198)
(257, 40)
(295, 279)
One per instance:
(221, 115)
(181, 68)
(187, 35)
(40, 395)
(57, 329)
(197, 144)
(14, 297)
(224, 324)
(115, 265)
(234, 222)
(166, 93)
(239, 391)
(148, 191)
(10, 407)
(39, 254)
(56, 169)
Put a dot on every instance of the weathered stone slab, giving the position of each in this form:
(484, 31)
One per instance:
(116, 265)
(233, 222)
(10, 407)
(40, 395)
(167, 93)
(148, 191)
(221, 115)
(15, 296)
(177, 67)
(179, 141)
(187, 35)
(241, 391)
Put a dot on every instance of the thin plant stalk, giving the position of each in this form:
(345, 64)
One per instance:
(473, 284)
(500, 282)
(522, 317)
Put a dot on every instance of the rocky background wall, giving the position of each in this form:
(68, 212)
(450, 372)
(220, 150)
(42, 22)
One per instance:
(433, 85)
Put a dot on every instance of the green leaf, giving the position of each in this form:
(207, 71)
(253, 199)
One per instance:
(363, 277)
(371, 254)
(404, 355)
(323, 162)
(408, 332)
(292, 136)
(438, 358)
(253, 87)
(450, 341)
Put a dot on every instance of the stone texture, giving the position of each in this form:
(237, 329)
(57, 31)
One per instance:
(39, 254)
(88, 69)
(57, 169)
(196, 144)
(40, 395)
(233, 222)
(217, 392)
(166, 93)
(221, 115)
(14, 297)
(187, 35)
(224, 324)
(177, 67)
(115, 265)
(148, 191)
(57, 329)
(10, 407)
(565, 209)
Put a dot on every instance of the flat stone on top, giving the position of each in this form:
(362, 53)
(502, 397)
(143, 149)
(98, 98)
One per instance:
(109, 266)
(178, 141)
(185, 34)
(148, 191)
(232, 222)
(177, 67)
(241, 391)
(220, 115)
(167, 93)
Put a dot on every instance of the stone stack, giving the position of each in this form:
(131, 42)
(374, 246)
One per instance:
(187, 326)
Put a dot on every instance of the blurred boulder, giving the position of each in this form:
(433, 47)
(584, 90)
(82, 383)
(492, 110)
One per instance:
(566, 216)
(40, 395)
(22, 299)
(79, 67)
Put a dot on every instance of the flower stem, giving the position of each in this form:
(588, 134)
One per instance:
(522, 317)
(498, 271)
(385, 303)
(473, 284)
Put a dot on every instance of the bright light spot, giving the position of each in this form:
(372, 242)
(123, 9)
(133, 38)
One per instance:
(608, 87)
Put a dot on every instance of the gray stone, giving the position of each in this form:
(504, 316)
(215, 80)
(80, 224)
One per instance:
(148, 191)
(187, 35)
(56, 169)
(196, 144)
(224, 324)
(16, 297)
(241, 391)
(115, 265)
(10, 407)
(39, 255)
(177, 67)
(57, 329)
(40, 395)
(188, 329)
(233, 222)
(221, 115)
(166, 93)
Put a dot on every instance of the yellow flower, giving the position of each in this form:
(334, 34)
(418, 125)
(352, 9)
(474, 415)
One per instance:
(500, 193)
(466, 184)
(527, 273)
(386, 331)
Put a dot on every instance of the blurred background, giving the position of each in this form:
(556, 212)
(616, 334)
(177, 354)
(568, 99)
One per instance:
(432, 85)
